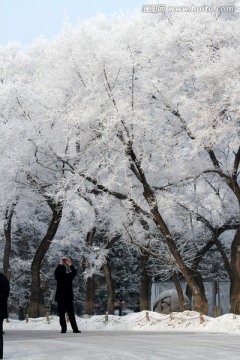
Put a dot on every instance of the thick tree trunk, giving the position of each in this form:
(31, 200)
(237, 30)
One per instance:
(110, 288)
(178, 287)
(36, 306)
(145, 284)
(235, 266)
(108, 276)
(89, 301)
(213, 241)
(199, 256)
(90, 285)
(8, 240)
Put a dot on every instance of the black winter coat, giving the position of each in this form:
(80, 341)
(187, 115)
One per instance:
(4, 294)
(64, 279)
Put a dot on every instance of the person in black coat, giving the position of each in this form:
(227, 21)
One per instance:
(4, 294)
(64, 273)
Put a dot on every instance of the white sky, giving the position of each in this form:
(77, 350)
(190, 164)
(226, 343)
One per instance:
(24, 20)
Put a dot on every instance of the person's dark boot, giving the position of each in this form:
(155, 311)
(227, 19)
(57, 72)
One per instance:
(76, 331)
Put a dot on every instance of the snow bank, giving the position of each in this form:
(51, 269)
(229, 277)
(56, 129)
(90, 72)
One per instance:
(186, 321)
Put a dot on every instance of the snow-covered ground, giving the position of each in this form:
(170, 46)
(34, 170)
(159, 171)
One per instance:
(131, 337)
(186, 321)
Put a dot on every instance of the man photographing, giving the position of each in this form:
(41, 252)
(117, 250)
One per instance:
(64, 273)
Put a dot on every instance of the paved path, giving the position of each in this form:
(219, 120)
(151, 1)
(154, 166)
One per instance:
(116, 345)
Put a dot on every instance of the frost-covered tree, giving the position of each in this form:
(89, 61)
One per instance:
(143, 110)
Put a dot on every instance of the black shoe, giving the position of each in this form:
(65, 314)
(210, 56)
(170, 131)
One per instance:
(76, 331)
(63, 332)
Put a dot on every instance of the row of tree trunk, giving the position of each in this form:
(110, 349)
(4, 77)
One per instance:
(191, 275)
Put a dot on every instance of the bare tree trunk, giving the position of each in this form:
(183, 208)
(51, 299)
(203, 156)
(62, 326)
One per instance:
(36, 306)
(178, 287)
(89, 301)
(90, 285)
(235, 265)
(8, 239)
(110, 288)
(199, 256)
(108, 277)
(145, 284)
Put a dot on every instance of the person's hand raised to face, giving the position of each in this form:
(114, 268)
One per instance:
(68, 262)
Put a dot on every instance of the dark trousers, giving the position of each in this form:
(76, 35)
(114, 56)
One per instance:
(1, 338)
(63, 307)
